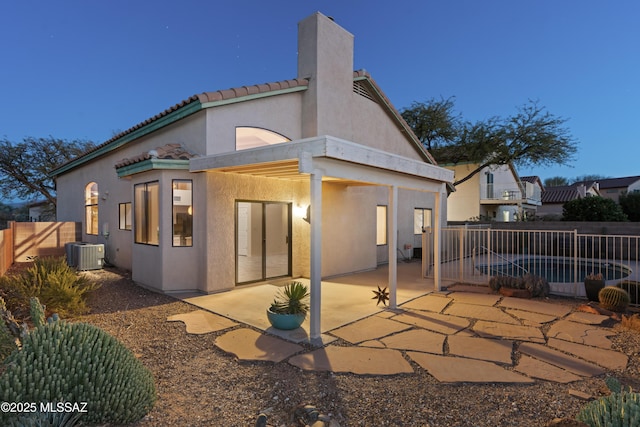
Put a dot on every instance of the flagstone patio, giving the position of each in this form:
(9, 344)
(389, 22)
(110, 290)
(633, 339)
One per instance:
(455, 336)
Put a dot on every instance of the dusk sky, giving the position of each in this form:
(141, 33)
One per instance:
(90, 69)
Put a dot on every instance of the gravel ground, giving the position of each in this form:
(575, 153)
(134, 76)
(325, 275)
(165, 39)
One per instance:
(200, 385)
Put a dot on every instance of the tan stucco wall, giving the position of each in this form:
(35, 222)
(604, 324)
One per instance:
(464, 203)
(223, 191)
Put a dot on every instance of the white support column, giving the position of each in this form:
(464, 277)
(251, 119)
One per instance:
(392, 230)
(315, 182)
(436, 242)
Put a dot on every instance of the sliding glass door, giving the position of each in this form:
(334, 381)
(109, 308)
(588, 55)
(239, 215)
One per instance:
(263, 243)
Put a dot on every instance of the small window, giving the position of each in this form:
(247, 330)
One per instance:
(147, 213)
(125, 216)
(381, 225)
(91, 208)
(182, 213)
(421, 220)
(249, 137)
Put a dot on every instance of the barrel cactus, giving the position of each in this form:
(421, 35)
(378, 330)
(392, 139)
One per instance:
(76, 363)
(613, 298)
(616, 410)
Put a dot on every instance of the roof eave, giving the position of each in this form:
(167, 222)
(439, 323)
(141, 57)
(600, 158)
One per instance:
(152, 164)
(161, 122)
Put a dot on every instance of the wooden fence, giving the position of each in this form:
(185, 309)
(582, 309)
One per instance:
(23, 240)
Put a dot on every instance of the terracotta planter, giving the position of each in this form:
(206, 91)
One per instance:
(285, 321)
(592, 287)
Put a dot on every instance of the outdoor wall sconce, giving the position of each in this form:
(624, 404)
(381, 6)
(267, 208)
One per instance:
(302, 212)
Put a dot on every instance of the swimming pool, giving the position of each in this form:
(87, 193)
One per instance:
(556, 270)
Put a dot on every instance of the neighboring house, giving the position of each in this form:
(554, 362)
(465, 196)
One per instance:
(41, 211)
(554, 198)
(613, 188)
(313, 177)
(496, 193)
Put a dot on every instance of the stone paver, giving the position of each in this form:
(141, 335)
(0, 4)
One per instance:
(536, 306)
(610, 359)
(513, 332)
(418, 340)
(581, 333)
(457, 369)
(530, 318)
(481, 348)
(561, 360)
(473, 311)
(431, 302)
(538, 369)
(202, 322)
(247, 344)
(357, 360)
(475, 298)
(372, 343)
(588, 318)
(434, 321)
(368, 329)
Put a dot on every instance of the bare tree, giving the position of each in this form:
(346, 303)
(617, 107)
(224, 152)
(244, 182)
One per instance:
(24, 165)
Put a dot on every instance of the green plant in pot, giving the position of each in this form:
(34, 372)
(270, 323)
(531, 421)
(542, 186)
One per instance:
(290, 306)
(593, 282)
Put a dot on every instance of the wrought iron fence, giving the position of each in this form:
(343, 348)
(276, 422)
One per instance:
(473, 254)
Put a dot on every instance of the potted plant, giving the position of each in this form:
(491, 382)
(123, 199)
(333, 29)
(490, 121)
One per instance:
(592, 285)
(290, 306)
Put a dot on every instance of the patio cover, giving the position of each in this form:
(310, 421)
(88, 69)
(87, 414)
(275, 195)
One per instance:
(326, 158)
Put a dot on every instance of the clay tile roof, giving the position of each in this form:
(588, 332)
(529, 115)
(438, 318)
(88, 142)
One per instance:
(167, 152)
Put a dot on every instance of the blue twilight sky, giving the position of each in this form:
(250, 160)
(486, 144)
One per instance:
(89, 69)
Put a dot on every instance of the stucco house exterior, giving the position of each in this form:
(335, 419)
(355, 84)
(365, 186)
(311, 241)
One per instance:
(496, 193)
(313, 177)
(613, 188)
(554, 198)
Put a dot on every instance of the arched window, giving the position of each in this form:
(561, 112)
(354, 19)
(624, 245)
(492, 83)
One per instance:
(250, 137)
(91, 208)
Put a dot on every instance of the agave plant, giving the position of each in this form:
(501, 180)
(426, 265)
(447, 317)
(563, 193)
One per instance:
(292, 299)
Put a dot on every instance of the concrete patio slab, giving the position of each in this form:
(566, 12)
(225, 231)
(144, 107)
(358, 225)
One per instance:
(202, 322)
(530, 318)
(433, 321)
(475, 298)
(587, 318)
(473, 311)
(373, 327)
(247, 344)
(457, 369)
(610, 359)
(581, 333)
(490, 350)
(513, 332)
(418, 340)
(538, 369)
(561, 360)
(356, 360)
(557, 310)
(432, 302)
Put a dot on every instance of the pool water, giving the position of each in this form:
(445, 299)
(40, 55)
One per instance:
(556, 270)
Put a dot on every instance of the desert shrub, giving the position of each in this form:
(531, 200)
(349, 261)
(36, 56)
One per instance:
(59, 287)
(78, 362)
(538, 286)
(618, 409)
(593, 209)
(631, 322)
(47, 419)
